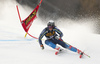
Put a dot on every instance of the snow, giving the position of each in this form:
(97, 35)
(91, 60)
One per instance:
(15, 49)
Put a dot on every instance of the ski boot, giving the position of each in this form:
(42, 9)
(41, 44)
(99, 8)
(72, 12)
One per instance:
(80, 52)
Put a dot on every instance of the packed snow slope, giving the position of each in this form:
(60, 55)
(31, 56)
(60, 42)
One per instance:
(15, 49)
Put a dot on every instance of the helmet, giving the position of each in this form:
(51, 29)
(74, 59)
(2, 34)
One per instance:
(51, 23)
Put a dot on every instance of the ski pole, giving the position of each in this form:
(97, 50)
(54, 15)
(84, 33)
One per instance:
(86, 55)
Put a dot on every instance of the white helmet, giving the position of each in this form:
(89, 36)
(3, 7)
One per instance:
(51, 23)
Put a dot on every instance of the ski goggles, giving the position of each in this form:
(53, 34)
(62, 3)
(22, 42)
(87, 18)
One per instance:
(50, 26)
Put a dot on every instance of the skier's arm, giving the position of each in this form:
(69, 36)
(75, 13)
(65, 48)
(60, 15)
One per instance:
(58, 31)
(41, 36)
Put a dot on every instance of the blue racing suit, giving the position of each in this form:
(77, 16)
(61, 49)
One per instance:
(52, 41)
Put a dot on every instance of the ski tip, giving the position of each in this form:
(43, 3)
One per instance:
(56, 53)
(80, 56)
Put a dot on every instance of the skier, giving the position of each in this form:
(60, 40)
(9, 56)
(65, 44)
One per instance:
(54, 36)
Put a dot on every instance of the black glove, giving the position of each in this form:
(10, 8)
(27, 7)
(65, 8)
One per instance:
(42, 47)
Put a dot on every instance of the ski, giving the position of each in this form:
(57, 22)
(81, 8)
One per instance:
(81, 54)
(86, 55)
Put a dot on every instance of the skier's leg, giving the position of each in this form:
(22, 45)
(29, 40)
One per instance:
(49, 43)
(74, 49)
(52, 44)
(71, 48)
(65, 45)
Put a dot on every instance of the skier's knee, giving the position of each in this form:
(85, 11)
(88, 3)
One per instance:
(49, 43)
(46, 42)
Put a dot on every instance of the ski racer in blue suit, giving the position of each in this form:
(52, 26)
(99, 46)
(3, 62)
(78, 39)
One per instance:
(54, 36)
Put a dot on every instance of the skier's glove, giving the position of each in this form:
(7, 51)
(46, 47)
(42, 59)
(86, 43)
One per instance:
(57, 37)
(42, 47)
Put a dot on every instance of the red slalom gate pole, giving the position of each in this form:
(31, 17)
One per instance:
(18, 13)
